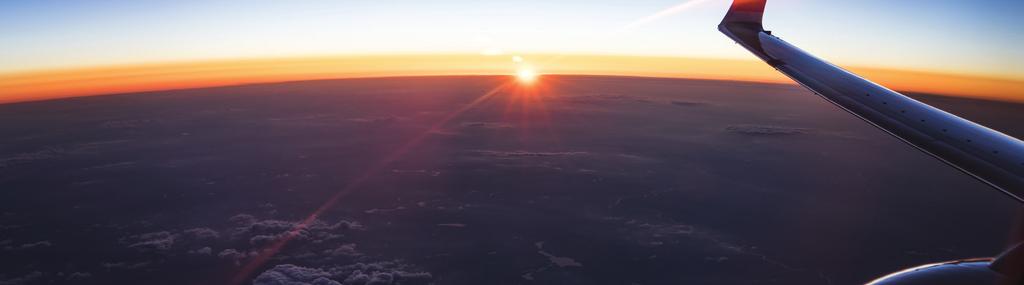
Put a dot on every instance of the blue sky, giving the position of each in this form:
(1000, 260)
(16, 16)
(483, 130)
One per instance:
(975, 37)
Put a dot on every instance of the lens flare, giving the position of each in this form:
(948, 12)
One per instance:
(526, 75)
(659, 15)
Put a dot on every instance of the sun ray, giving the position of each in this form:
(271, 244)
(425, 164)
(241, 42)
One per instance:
(659, 15)
(265, 254)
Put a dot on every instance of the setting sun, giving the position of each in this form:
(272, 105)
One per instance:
(463, 142)
(526, 75)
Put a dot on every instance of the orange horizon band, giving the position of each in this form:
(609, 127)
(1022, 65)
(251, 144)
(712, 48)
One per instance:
(90, 81)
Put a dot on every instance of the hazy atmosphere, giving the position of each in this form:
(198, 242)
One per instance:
(452, 142)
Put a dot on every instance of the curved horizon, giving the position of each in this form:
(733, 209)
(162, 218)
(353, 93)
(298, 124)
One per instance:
(116, 79)
(57, 50)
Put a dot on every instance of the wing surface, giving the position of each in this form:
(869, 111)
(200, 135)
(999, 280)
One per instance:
(988, 155)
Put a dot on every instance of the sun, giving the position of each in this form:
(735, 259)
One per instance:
(526, 75)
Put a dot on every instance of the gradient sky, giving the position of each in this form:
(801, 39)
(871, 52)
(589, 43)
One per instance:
(957, 36)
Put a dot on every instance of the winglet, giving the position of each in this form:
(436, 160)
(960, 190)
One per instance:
(745, 11)
(743, 24)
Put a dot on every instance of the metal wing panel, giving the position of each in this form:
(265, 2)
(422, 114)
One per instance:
(988, 155)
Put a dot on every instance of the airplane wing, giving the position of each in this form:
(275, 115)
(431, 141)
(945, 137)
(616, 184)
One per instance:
(988, 155)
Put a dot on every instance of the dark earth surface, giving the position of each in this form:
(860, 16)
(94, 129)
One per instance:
(572, 180)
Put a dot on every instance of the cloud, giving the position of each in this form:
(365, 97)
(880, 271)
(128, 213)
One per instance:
(53, 152)
(126, 124)
(302, 117)
(155, 241)
(667, 230)
(261, 240)
(29, 157)
(163, 241)
(556, 260)
(604, 98)
(36, 244)
(658, 234)
(553, 262)
(111, 165)
(79, 276)
(202, 251)
(124, 265)
(376, 210)
(28, 278)
(486, 125)
(520, 153)
(686, 103)
(376, 120)
(524, 159)
(649, 233)
(315, 242)
(765, 130)
(452, 225)
(244, 236)
(233, 255)
(348, 249)
(243, 219)
(492, 51)
(442, 132)
(381, 273)
(358, 274)
(716, 259)
(249, 224)
(561, 261)
(434, 173)
(27, 246)
(288, 274)
(653, 233)
(262, 232)
(202, 233)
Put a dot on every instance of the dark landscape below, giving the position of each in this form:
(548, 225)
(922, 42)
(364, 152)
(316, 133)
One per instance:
(575, 180)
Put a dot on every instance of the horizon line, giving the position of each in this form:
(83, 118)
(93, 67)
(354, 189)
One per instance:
(148, 77)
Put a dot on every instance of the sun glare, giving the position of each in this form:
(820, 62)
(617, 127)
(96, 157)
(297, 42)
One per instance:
(526, 75)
